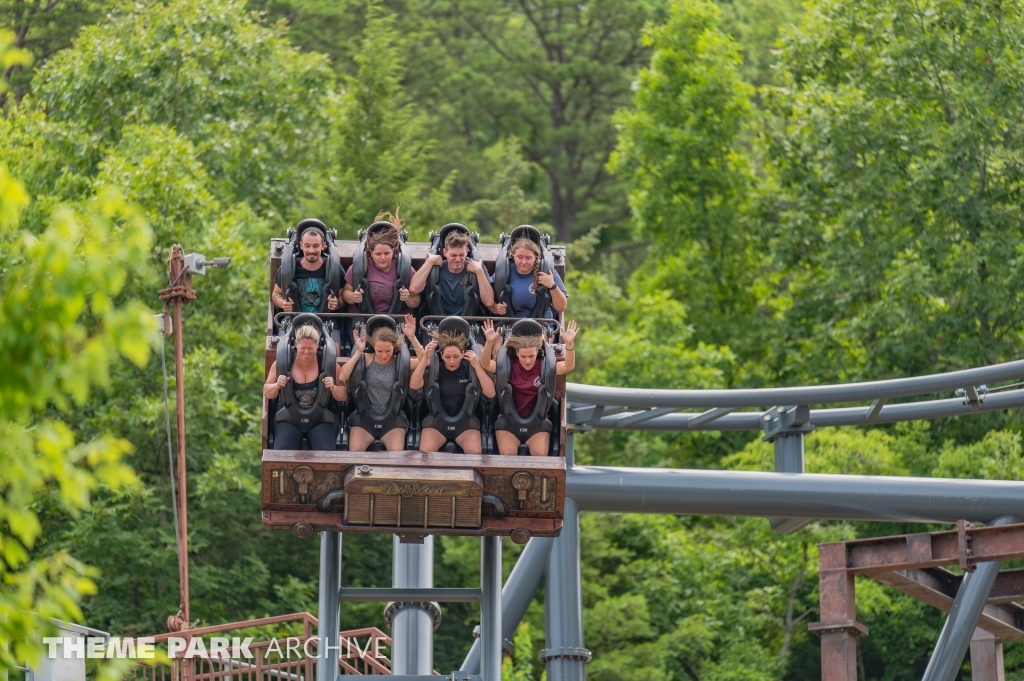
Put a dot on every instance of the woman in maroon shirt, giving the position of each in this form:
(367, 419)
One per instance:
(525, 381)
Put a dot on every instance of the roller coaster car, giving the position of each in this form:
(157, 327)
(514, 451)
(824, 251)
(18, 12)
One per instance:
(410, 493)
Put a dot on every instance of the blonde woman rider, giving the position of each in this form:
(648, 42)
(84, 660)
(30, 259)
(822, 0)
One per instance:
(305, 372)
(525, 279)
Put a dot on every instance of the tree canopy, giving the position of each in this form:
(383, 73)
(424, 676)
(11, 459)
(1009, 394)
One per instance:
(753, 194)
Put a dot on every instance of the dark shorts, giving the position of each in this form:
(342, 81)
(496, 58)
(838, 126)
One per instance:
(524, 434)
(321, 438)
(451, 430)
(379, 427)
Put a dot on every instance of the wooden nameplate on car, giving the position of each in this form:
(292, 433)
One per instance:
(413, 494)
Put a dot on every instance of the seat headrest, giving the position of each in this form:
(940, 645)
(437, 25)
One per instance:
(377, 321)
(454, 325)
(452, 227)
(311, 223)
(526, 232)
(528, 327)
(304, 319)
(379, 227)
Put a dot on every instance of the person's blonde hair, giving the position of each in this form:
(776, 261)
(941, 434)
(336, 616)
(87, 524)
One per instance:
(448, 339)
(518, 343)
(384, 334)
(307, 332)
(532, 248)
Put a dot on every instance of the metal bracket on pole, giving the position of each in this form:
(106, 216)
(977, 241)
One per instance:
(785, 428)
(973, 396)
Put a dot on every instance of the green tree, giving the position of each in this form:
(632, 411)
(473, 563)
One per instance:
(380, 149)
(679, 150)
(255, 109)
(63, 328)
(896, 223)
(41, 28)
(550, 73)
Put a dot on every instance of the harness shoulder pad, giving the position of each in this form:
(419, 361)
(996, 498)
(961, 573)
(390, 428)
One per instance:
(359, 261)
(287, 269)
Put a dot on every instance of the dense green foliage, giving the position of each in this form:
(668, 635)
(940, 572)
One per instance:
(840, 203)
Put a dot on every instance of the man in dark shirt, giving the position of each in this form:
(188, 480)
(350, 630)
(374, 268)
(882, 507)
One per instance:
(310, 278)
(455, 275)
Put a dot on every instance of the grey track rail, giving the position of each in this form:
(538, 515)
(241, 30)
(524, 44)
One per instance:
(822, 394)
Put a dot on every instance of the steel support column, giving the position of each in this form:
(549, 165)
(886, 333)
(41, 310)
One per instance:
(565, 656)
(330, 606)
(986, 657)
(963, 619)
(520, 588)
(412, 624)
(838, 627)
(784, 427)
(490, 608)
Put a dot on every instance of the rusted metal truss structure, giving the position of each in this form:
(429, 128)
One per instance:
(916, 564)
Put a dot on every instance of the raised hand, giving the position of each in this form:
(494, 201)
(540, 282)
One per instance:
(546, 279)
(409, 326)
(569, 333)
(489, 330)
(360, 340)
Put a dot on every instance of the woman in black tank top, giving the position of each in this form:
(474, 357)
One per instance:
(456, 367)
(305, 374)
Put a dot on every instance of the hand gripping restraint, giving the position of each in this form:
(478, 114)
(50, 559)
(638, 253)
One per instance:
(306, 418)
(443, 421)
(293, 253)
(502, 265)
(361, 261)
(537, 422)
(364, 417)
(433, 295)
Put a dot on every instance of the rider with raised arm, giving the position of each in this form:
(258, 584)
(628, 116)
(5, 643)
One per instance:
(305, 393)
(452, 388)
(521, 383)
(380, 393)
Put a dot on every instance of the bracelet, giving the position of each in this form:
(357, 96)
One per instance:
(568, 348)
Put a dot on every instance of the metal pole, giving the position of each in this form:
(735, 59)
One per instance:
(986, 657)
(177, 293)
(963, 619)
(789, 458)
(520, 588)
(490, 608)
(787, 495)
(565, 656)
(412, 627)
(329, 612)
